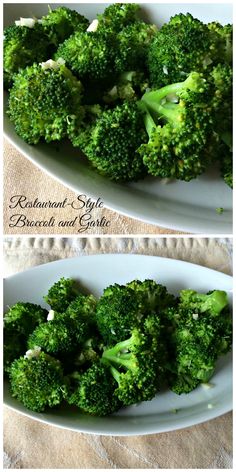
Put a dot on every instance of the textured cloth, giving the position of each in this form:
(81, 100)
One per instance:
(30, 444)
(21, 177)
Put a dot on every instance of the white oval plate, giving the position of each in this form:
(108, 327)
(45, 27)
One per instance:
(179, 205)
(95, 273)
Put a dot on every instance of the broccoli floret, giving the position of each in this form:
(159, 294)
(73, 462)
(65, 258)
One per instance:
(22, 47)
(183, 45)
(82, 308)
(21, 320)
(132, 46)
(94, 392)
(213, 302)
(61, 294)
(45, 103)
(179, 147)
(37, 381)
(224, 41)
(88, 55)
(60, 23)
(119, 310)
(23, 317)
(199, 331)
(111, 143)
(60, 335)
(117, 16)
(137, 363)
(154, 296)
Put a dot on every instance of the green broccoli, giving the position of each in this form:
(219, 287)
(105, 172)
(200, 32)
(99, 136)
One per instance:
(37, 381)
(137, 364)
(111, 141)
(179, 124)
(214, 302)
(60, 23)
(59, 335)
(23, 317)
(132, 46)
(119, 310)
(83, 307)
(198, 331)
(93, 391)
(155, 296)
(89, 56)
(22, 47)
(44, 103)
(181, 46)
(117, 16)
(21, 320)
(61, 294)
(224, 35)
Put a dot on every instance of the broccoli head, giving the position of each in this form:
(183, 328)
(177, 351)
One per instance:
(112, 140)
(180, 125)
(61, 294)
(44, 103)
(128, 86)
(155, 296)
(22, 47)
(199, 331)
(88, 55)
(82, 308)
(60, 23)
(23, 317)
(137, 363)
(37, 381)
(59, 335)
(132, 46)
(181, 46)
(94, 392)
(119, 310)
(214, 302)
(117, 16)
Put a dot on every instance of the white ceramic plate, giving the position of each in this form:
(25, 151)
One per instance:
(95, 273)
(179, 205)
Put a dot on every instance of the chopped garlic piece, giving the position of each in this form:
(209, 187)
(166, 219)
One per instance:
(112, 331)
(207, 385)
(32, 352)
(29, 22)
(93, 26)
(210, 406)
(195, 316)
(165, 70)
(51, 315)
(50, 64)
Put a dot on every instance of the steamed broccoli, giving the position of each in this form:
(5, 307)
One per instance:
(61, 294)
(44, 103)
(132, 46)
(200, 330)
(137, 363)
(93, 391)
(60, 23)
(214, 302)
(181, 46)
(22, 47)
(179, 124)
(154, 296)
(119, 310)
(111, 141)
(82, 308)
(37, 381)
(88, 55)
(59, 335)
(128, 86)
(117, 16)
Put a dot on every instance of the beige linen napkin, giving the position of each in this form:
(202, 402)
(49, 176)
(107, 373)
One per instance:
(32, 445)
(21, 177)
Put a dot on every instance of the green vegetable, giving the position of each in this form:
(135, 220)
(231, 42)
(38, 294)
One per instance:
(60, 23)
(37, 382)
(61, 294)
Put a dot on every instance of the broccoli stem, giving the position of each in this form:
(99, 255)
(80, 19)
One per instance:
(117, 356)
